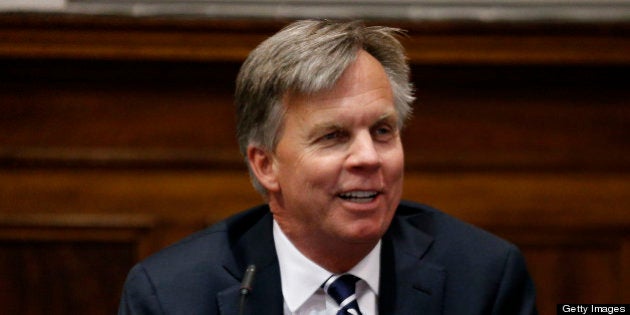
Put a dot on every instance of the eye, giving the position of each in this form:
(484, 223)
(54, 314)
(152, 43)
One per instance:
(331, 135)
(383, 132)
(335, 135)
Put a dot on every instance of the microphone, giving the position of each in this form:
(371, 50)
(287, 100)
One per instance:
(248, 280)
(246, 286)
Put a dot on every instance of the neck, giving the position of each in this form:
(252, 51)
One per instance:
(339, 266)
(334, 255)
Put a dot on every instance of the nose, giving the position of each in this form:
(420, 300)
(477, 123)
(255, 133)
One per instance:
(363, 153)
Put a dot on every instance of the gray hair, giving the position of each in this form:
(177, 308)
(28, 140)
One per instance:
(305, 57)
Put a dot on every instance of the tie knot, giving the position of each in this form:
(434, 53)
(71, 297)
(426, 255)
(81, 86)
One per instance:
(342, 289)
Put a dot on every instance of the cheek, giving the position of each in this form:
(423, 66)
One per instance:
(395, 162)
(316, 162)
(322, 173)
(309, 172)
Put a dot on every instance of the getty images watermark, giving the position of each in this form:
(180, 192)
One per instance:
(587, 309)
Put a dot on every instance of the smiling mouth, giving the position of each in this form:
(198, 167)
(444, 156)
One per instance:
(359, 196)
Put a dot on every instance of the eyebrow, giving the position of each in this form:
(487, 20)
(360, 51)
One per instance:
(389, 117)
(329, 126)
(320, 128)
(385, 117)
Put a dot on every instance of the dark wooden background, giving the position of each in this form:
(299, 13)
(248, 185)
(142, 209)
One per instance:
(117, 139)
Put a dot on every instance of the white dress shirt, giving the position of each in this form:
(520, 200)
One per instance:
(301, 280)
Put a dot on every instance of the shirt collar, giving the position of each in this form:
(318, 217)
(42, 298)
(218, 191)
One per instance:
(301, 277)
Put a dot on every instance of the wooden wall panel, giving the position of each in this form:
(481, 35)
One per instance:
(44, 277)
(560, 277)
(117, 139)
(492, 117)
(536, 117)
(62, 263)
(117, 104)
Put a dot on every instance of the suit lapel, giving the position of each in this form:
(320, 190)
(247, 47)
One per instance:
(255, 247)
(409, 284)
(265, 299)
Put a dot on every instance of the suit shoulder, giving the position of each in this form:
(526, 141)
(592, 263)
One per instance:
(445, 228)
(208, 247)
(184, 275)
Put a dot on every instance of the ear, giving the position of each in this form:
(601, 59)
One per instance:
(262, 165)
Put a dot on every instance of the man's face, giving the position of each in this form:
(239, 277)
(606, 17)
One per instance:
(338, 165)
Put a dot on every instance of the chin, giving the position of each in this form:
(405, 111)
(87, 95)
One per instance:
(368, 234)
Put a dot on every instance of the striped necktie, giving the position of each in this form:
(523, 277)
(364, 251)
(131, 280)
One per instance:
(342, 289)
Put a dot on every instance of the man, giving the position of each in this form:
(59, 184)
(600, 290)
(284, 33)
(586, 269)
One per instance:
(320, 109)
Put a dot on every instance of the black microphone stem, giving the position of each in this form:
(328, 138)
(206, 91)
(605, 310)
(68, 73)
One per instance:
(246, 287)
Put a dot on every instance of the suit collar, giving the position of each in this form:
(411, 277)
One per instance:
(410, 283)
(255, 247)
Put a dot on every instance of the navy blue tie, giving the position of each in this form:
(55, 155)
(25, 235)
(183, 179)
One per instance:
(342, 289)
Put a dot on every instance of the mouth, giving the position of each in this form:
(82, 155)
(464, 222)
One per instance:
(359, 196)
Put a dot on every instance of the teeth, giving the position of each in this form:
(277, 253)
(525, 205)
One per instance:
(359, 196)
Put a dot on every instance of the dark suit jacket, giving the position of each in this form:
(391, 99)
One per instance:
(431, 264)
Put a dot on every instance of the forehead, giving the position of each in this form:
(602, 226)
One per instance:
(364, 74)
(362, 84)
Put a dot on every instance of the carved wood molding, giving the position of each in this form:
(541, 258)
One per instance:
(485, 10)
(202, 39)
(133, 229)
